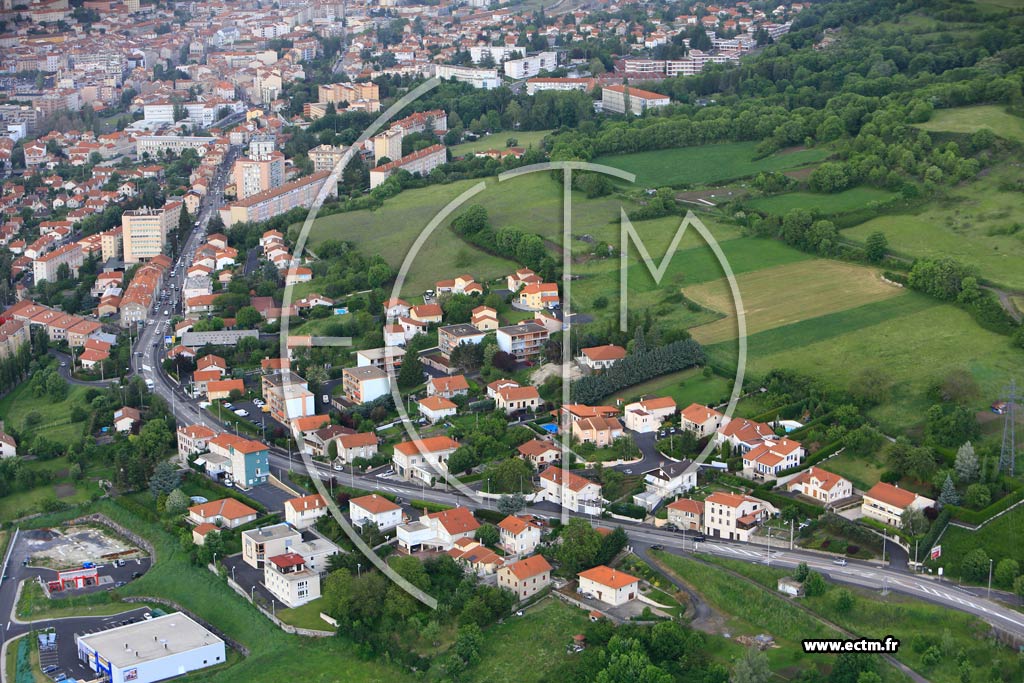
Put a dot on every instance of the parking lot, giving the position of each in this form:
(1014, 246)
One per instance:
(71, 546)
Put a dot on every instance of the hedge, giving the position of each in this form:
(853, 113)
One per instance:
(780, 501)
(814, 458)
(773, 413)
(492, 516)
(628, 510)
(975, 517)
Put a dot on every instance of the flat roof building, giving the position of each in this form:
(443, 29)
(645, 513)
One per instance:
(151, 650)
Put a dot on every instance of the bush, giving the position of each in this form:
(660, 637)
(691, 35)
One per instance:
(628, 510)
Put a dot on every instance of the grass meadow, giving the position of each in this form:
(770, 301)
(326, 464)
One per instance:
(974, 223)
(841, 202)
(525, 138)
(707, 163)
(970, 119)
(55, 424)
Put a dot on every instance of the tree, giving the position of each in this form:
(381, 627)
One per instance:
(948, 496)
(176, 503)
(752, 667)
(510, 505)
(966, 464)
(411, 373)
(814, 585)
(510, 474)
(875, 247)
(977, 496)
(580, 546)
(974, 565)
(165, 479)
(247, 318)
(1006, 572)
(1018, 587)
(844, 600)
(913, 521)
(488, 535)
(467, 643)
(802, 571)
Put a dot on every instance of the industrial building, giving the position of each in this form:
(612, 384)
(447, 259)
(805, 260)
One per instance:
(151, 650)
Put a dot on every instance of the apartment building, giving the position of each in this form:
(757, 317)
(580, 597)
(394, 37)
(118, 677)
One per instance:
(326, 157)
(46, 266)
(270, 203)
(450, 337)
(617, 99)
(524, 341)
(423, 162)
(536, 85)
(144, 231)
(290, 581)
(255, 175)
(365, 383)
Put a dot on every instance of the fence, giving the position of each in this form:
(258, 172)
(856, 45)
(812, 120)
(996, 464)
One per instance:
(287, 628)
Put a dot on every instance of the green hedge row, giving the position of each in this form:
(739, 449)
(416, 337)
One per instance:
(975, 517)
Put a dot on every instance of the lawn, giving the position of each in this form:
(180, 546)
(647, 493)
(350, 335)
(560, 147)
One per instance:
(786, 294)
(686, 387)
(540, 638)
(970, 119)
(892, 335)
(863, 471)
(275, 655)
(33, 605)
(524, 138)
(974, 224)
(841, 202)
(1000, 539)
(62, 488)
(907, 619)
(56, 422)
(706, 164)
(306, 616)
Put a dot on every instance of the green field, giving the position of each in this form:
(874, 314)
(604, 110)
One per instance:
(62, 489)
(906, 618)
(306, 616)
(863, 471)
(999, 539)
(974, 224)
(841, 202)
(540, 637)
(970, 119)
(706, 163)
(524, 138)
(892, 335)
(686, 387)
(56, 423)
(771, 300)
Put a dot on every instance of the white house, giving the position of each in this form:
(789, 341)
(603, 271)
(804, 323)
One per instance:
(734, 517)
(519, 535)
(580, 493)
(667, 480)
(700, 420)
(8, 446)
(601, 357)
(303, 512)
(771, 456)
(436, 408)
(437, 530)
(887, 503)
(647, 415)
(290, 581)
(610, 586)
(821, 485)
(375, 510)
(421, 459)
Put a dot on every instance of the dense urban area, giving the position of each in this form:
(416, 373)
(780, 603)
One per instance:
(615, 341)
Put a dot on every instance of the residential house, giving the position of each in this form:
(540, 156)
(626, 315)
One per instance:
(126, 418)
(580, 494)
(600, 431)
(771, 456)
(317, 441)
(247, 461)
(821, 485)
(734, 517)
(435, 409)
(538, 296)
(517, 399)
(423, 458)
(611, 586)
(450, 337)
(475, 556)
(360, 445)
(431, 314)
(686, 514)
(193, 439)
(220, 389)
(539, 453)
(700, 420)
(670, 478)
(437, 530)
(376, 510)
(519, 535)
(524, 341)
(601, 357)
(8, 446)
(226, 512)
(887, 503)
(648, 415)
(447, 387)
(525, 578)
(484, 318)
(290, 581)
(302, 512)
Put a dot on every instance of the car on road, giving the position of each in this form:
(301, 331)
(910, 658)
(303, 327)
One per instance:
(700, 539)
(204, 404)
(242, 412)
(326, 398)
(258, 402)
(657, 546)
(227, 405)
(839, 561)
(63, 364)
(166, 312)
(118, 584)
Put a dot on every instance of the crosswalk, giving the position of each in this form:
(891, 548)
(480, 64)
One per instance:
(718, 549)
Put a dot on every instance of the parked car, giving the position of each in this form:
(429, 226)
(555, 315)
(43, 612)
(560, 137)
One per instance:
(700, 539)
(657, 546)
(242, 412)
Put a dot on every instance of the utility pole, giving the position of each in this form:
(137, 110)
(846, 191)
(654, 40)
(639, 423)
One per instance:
(790, 534)
(990, 577)
(769, 560)
(1008, 451)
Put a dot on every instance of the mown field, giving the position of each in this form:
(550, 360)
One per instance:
(970, 119)
(841, 202)
(686, 387)
(787, 294)
(707, 163)
(1000, 539)
(863, 471)
(524, 138)
(892, 335)
(975, 224)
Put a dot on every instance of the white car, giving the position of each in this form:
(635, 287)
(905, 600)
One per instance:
(258, 402)
(204, 404)
(241, 412)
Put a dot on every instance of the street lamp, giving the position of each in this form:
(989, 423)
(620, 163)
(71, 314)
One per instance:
(990, 577)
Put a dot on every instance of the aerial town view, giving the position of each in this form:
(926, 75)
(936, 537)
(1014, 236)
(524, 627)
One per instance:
(512, 341)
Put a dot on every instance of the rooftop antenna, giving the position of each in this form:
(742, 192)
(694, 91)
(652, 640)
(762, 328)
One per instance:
(1008, 453)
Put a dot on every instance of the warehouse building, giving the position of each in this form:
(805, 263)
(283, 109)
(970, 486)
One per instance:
(152, 650)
